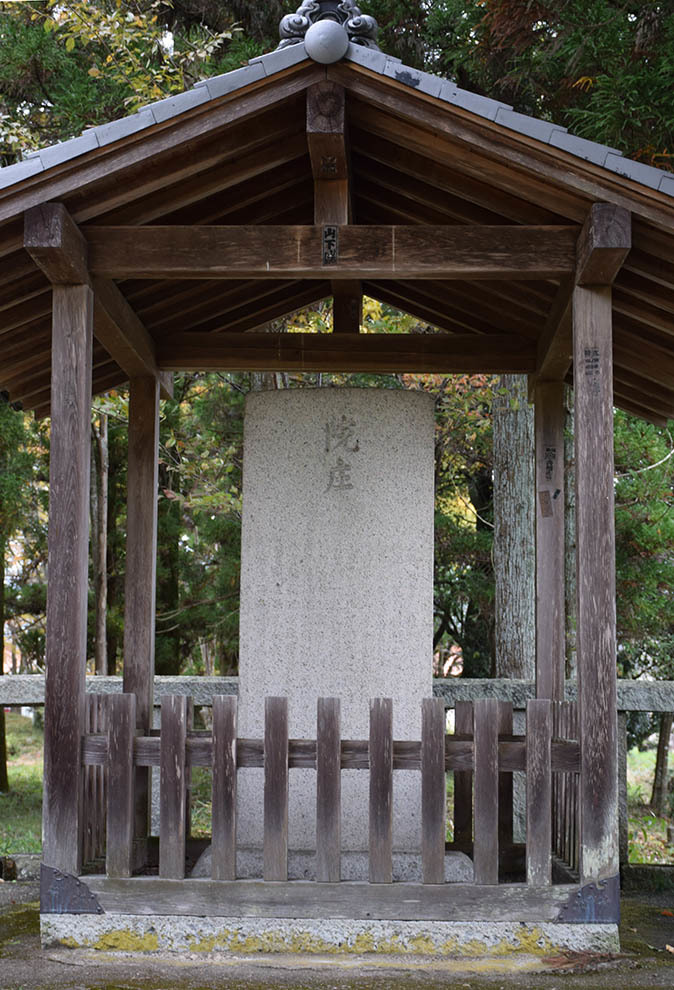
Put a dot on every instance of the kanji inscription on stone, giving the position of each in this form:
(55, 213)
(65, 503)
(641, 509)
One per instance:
(340, 432)
(339, 477)
(341, 439)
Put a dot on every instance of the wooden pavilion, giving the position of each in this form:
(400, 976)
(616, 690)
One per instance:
(157, 243)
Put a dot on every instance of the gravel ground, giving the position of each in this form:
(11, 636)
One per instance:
(646, 929)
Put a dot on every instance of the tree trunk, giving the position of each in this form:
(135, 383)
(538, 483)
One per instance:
(99, 541)
(4, 779)
(207, 650)
(514, 552)
(659, 795)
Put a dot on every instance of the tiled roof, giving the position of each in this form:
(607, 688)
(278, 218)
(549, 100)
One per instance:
(376, 61)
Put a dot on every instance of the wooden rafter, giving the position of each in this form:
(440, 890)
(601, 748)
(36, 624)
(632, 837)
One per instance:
(475, 146)
(152, 157)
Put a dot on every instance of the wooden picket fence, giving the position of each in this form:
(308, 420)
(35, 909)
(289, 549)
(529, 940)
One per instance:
(95, 778)
(565, 791)
(483, 754)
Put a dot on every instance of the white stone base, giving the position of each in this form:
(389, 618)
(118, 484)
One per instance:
(236, 936)
(354, 866)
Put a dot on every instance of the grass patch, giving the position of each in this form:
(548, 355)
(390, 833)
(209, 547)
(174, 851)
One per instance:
(200, 805)
(647, 833)
(21, 806)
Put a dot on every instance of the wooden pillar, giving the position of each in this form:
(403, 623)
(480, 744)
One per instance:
(550, 628)
(595, 550)
(69, 464)
(55, 244)
(141, 564)
(602, 248)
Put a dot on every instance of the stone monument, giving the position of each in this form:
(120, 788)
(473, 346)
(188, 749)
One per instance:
(336, 584)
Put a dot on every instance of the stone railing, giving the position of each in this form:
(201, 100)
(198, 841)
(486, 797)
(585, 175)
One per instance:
(633, 696)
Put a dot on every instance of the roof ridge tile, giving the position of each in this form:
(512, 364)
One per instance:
(20, 170)
(229, 82)
(56, 154)
(541, 130)
(483, 106)
(176, 104)
(281, 58)
(591, 151)
(647, 175)
(423, 82)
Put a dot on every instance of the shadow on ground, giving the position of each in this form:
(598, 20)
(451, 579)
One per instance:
(647, 928)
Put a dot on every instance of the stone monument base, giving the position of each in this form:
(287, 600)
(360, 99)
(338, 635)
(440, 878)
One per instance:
(507, 945)
(302, 866)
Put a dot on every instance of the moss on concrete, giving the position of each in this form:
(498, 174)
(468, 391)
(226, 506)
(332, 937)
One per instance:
(17, 923)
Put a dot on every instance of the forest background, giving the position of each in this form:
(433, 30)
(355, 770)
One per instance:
(603, 68)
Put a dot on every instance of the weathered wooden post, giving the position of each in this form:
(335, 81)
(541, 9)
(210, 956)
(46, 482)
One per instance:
(550, 628)
(56, 245)
(602, 247)
(141, 567)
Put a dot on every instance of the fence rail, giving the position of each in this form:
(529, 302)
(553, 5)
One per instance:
(483, 755)
(456, 693)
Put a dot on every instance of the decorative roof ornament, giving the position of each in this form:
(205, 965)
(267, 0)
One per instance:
(361, 29)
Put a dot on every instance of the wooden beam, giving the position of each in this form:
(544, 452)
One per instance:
(603, 245)
(125, 338)
(56, 245)
(419, 353)
(141, 566)
(352, 252)
(550, 589)
(347, 306)
(308, 899)
(595, 609)
(54, 242)
(326, 131)
(66, 649)
(326, 138)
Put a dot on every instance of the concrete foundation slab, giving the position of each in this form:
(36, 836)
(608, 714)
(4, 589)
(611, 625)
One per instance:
(461, 940)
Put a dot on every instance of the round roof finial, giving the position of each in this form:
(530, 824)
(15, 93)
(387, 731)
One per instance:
(360, 29)
(326, 42)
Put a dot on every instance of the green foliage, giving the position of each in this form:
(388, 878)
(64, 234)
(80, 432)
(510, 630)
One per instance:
(15, 468)
(644, 461)
(64, 67)
(604, 70)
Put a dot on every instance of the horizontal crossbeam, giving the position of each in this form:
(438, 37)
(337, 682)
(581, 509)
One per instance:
(317, 252)
(396, 353)
(459, 753)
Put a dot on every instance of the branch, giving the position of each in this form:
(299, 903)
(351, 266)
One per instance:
(649, 467)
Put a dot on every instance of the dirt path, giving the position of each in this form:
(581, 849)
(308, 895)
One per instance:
(647, 927)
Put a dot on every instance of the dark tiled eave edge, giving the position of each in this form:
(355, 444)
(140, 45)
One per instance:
(385, 65)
